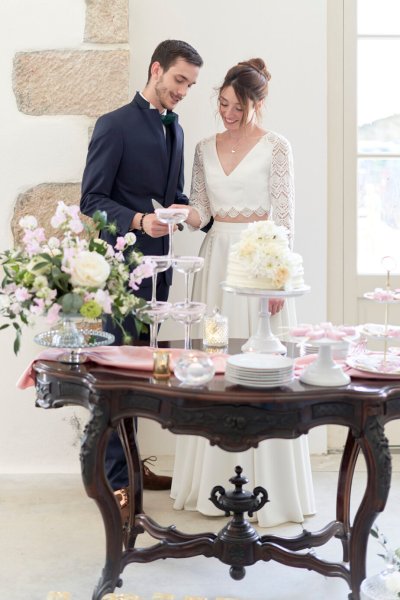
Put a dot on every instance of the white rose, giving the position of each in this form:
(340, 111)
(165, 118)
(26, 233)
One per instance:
(90, 269)
(392, 582)
(130, 238)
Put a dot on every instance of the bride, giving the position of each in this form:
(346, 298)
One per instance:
(242, 175)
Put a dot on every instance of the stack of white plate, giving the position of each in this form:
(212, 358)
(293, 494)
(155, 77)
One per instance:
(340, 349)
(259, 370)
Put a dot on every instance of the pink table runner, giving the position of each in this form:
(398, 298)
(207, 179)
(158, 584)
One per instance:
(139, 358)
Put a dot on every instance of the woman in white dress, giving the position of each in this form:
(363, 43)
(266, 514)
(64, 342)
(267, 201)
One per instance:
(242, 175)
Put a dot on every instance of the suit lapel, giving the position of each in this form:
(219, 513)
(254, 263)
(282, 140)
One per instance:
(175, 159)
(171, 164)
(153, 121)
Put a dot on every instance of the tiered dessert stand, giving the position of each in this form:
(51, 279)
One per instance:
(263, 340)
(380, 362)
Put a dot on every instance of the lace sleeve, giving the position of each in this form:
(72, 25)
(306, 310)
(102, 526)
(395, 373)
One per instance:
(282, 185)
(198, 194)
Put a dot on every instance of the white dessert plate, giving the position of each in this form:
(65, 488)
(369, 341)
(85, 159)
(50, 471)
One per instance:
(260, 379)
(373, 363)
(257, 361)
(379, 330)
(256, 384)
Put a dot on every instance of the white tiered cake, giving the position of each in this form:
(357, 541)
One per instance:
(263, 260)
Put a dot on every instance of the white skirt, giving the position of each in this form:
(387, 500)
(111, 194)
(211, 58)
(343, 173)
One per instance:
(281, 466)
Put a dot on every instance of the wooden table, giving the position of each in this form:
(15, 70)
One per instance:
(234, 418)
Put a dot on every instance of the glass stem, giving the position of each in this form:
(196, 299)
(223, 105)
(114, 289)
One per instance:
(170, 225)
(188, 342)
(154, 288)
(186, 288)
(153, 334)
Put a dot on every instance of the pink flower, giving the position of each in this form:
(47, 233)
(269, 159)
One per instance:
(53, 313)
(120, 244)
(145, 269)
(37, 308)
(104, 299)
(76, 226)
(22, 294)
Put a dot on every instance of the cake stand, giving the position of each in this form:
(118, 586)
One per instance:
(263, 340)
(324, 371)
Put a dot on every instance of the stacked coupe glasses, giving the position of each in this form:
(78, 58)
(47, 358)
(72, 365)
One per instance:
(185, 312)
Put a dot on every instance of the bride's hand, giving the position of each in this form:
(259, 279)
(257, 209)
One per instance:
(275, 305)
(193, 217)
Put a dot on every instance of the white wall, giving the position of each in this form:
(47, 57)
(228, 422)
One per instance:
(34, 150)
(289, 34)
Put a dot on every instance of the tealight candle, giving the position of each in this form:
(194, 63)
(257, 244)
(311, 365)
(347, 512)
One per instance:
(161, 366)
(215, 330)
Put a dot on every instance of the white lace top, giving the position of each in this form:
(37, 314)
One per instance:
(261, 184)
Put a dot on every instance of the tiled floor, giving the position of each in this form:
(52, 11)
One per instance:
(52, 540)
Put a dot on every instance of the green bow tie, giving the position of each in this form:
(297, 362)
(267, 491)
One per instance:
(168, 118)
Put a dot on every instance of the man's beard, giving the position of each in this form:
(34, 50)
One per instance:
(161, 92)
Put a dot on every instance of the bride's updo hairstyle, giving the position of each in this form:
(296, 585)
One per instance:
(249, 80)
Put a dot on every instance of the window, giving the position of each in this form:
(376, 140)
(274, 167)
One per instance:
(378, 134)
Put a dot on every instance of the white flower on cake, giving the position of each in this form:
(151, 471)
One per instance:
(262, 259)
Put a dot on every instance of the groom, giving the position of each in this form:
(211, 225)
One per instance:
(135, 155)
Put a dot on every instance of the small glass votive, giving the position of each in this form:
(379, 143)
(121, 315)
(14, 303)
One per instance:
(161, 364)
(194, 368)
(215, 330)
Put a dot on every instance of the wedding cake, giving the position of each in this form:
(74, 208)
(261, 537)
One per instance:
(262, 259)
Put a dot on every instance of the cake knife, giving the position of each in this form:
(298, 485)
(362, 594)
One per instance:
(157, 204)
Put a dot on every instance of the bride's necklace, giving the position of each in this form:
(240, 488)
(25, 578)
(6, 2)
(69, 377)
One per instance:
(236, 144)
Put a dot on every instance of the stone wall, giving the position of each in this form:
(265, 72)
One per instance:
(75, 81)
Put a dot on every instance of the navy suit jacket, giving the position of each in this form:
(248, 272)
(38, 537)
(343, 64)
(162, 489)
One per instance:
(128, 165)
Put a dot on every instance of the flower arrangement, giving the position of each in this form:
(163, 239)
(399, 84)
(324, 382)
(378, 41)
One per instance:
(70, 274)
(392, 560)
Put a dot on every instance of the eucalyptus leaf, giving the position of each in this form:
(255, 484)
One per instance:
(71, 303)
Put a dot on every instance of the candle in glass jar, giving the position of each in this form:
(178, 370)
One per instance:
(215, 330)
(161, 366)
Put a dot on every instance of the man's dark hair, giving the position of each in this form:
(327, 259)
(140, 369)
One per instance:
(169, 51)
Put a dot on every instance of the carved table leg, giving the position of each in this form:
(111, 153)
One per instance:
(127, 434)
(346, 473)
(94, 443)
(377, 457)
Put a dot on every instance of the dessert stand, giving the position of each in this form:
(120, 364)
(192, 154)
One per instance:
(324, 371)
(380, 362)
(263, 340)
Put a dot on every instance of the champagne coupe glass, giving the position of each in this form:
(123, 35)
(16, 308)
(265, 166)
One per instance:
(160, 264)
(187, 314)
(156, 313)
(187, 265)
(171, 216)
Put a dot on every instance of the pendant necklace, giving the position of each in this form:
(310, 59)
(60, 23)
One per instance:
(236, 146)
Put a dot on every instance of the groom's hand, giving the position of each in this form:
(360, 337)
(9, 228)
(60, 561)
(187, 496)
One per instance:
(153, 227)
(275, 305)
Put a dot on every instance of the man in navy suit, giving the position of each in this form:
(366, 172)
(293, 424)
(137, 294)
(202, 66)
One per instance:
(134, 157)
